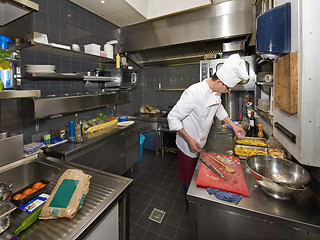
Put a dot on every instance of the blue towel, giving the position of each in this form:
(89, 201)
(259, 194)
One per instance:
(226, 196)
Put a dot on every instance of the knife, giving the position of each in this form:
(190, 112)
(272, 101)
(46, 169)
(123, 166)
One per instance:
(213, 168)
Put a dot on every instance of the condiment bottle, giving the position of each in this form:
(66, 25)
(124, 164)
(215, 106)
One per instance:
(118, 61)
(260, 133)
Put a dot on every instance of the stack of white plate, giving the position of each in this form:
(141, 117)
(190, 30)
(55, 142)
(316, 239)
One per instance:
(40, 68)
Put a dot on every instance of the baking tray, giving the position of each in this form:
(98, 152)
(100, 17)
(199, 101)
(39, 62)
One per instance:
(28, 198)
(265, 149)
(252, 138)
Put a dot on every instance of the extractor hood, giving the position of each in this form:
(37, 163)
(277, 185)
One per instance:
(13, 9)
(188, 37)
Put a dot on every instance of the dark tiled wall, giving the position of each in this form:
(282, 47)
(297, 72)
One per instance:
(64, 23)
(175, 77)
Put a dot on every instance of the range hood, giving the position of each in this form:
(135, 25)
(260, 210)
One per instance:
(13, 9)
(188, 37)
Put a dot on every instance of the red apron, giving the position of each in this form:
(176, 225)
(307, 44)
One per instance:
(186, 166)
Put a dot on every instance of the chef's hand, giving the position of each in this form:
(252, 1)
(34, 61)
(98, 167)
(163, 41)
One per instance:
(194, 146)
(240, 133)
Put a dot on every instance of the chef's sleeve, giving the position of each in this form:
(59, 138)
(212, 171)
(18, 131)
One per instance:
(221, 113)
(181, 110)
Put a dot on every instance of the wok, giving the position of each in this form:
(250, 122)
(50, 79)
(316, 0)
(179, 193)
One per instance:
(279, 178)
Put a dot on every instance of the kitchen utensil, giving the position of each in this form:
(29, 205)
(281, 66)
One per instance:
(213, 168)
(236, 181)
(228, 168)
(279, 178)
(5, 210)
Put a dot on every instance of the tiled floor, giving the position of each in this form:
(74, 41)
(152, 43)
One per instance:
(156, 185)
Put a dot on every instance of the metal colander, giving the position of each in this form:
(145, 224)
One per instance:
(279, 178)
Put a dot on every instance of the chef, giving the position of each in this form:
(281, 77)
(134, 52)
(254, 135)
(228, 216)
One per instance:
(193, 114)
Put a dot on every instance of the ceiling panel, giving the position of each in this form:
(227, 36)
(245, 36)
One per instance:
(117, 12)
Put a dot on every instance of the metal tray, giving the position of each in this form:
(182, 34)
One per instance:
(252, 138)
(265, 149)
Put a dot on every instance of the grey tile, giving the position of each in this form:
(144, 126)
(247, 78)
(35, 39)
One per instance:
(169, 231)
(150, 236)
(138, 232)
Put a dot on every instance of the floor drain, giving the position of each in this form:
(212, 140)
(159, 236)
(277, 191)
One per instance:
(157, 215)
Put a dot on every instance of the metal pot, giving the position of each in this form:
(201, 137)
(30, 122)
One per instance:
(279, 178)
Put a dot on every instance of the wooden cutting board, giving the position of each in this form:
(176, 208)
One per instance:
(286, 83)
(236, 181)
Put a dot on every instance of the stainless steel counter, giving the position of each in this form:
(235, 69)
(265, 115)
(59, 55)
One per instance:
(257, 217)
(105, 191)
(67, 149)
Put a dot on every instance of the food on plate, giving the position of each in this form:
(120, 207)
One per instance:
(27, 192)
(254, 142)
(18, 197)
(241, 151)
(38, 185)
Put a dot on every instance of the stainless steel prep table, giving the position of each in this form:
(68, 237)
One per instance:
(257, 217)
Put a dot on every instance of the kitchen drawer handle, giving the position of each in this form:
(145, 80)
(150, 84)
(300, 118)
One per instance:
(285, 132)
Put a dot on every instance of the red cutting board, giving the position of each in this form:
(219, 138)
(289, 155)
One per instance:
(236, 181)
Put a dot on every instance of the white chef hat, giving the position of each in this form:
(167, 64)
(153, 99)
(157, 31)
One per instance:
(233, 71)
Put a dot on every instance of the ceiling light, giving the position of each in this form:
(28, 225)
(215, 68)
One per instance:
(102, 1)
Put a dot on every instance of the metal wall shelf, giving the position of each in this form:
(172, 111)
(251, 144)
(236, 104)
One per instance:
(35, 76)
(10, 94)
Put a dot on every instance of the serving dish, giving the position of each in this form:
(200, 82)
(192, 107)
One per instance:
(252, 150)
(252, 141)
(125, 124)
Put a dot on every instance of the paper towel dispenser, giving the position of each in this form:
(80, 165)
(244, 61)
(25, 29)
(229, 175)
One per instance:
(274, 32)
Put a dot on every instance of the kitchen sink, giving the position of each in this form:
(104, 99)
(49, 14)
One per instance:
(23, 173)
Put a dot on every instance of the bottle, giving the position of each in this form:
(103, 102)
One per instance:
(260, 133)
(6, 65)
(118, 61)
(78, 130)
(251, 124)
(127, 64)
(72, 131)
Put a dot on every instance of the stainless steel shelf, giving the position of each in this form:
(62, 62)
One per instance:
(19, 94)
(36, 76)
(264, 84)
(99, 79)
(45, 48)
(170, 89)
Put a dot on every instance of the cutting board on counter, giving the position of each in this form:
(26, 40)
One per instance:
(236, 181)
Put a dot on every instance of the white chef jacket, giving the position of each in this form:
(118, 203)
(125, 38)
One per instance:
(195, 112)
